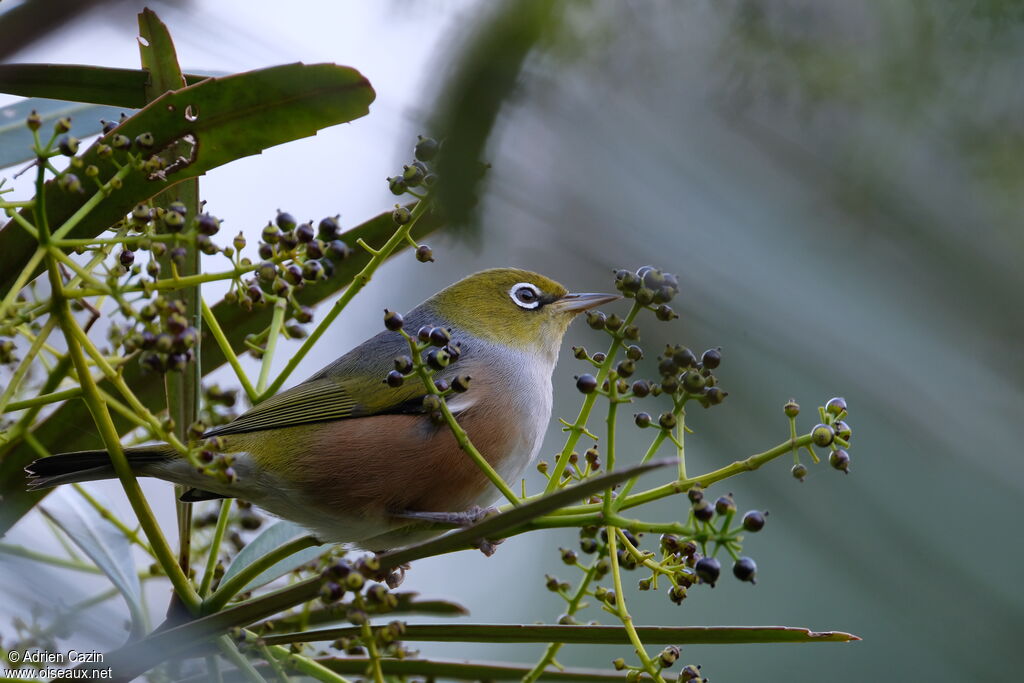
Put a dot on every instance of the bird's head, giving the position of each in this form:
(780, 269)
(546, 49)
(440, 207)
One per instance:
(515, 308)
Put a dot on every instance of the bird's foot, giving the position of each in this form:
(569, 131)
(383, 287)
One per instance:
(463, 518)
(487, 546)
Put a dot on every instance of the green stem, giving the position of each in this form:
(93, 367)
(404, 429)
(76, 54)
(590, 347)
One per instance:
(623, 614)
(371, 648)
(23, 279)
(573, 606)
(43, 399)
(579, 426)
(19, 551)
(218, 536)
(225, 347)
(230, 650)
(651, 450)
(276, 321)
(101, 416)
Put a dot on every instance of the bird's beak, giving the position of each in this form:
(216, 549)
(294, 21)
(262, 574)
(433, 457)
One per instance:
(578, 302)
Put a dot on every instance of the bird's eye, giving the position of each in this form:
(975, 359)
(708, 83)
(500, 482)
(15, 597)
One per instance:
(525, 295)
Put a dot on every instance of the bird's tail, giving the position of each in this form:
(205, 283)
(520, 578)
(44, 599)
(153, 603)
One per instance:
(67, 468)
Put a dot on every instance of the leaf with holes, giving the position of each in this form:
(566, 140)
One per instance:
(220, 120)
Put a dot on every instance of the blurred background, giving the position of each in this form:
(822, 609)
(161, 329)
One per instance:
(837, 185)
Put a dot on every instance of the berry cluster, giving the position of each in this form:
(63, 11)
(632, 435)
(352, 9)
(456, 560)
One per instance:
(161, 334)
(416, 176)
(355, 591)
(432, 350)
(832, 433)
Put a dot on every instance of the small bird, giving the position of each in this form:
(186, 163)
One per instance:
(358, 461)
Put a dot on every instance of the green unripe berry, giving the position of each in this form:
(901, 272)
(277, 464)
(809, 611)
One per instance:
(424, 254)
(799, 471)
(596, 320)
(792, 408)
(568, 556)
(403, 364)
(667, 420)
(266, 271)
(715, 395)
(34, 121)
(822, 435)
(836, 406)
(669, 656)
(413, 175)
(145, 140)
(665, 313)
(312, 271)
(461, 384)
(693, 381)
(68, 145)
(69, 182)
(397, 185)
(677, 594)
(173, 221)
(438, 359)
(401, 215)
(842, 430)
(625, 368)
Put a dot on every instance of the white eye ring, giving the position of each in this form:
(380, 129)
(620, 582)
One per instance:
(530, 304)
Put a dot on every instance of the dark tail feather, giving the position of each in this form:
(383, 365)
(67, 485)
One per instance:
(67, 468)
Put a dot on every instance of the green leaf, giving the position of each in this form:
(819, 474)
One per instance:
(599, 635)
(123, 88)
(104, 543)
(222, 119)
(408, 603)
(16, 138)
(269, 539)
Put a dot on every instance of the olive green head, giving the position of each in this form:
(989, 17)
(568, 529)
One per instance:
(513, 307)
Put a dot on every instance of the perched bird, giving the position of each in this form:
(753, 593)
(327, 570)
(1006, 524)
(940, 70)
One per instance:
(356, 460)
